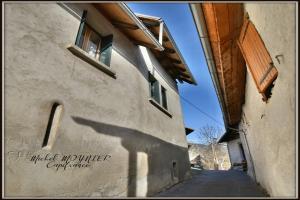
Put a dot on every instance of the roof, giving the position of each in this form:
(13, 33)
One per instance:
(145, 30)
(188, 130)
(223, 23)
(171, 58)
(228, 136)
(124, 19)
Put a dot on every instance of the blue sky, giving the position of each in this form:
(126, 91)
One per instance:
(179, 20)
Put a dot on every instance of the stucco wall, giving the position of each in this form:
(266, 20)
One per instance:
(101, 115)
(270, 127)
(235, 151)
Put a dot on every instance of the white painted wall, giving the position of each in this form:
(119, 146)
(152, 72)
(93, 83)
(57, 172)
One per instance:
(234, 151)
(101, 115)
(270, 127)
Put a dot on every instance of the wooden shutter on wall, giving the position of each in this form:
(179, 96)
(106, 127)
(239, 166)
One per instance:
(257, 58)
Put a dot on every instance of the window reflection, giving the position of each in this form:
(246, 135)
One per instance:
(93, 45)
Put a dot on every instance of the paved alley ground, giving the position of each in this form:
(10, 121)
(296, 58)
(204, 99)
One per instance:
(213, 183)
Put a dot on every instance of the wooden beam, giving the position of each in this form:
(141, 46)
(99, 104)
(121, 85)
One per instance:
(165, 39)
(151, 46)
(125, 25)
(180, 76)
(188, 81)
(180, 80)
(170, 66)
(149, 23)
(177, 73)
(137, 42)
(172, 60)
(184, 75)
(168, 50)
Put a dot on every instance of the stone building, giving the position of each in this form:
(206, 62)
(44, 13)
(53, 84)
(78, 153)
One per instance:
(250, 50)
(91, 102)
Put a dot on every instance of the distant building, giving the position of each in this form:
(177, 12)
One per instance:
(250, 49)
(201, 156)
(91, 102)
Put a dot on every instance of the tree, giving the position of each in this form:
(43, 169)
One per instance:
(209, 134)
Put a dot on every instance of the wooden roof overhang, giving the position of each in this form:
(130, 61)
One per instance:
(228, 136)
(170, 59)
(188, 130)
(223, 23)
(126, 21)
(145, 30)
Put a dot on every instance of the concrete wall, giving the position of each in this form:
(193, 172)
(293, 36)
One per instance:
(234, 151)
(113, 118)
(270, 127)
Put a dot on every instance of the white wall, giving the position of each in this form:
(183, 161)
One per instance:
(101, 115)
(234, 151)
(270, 127)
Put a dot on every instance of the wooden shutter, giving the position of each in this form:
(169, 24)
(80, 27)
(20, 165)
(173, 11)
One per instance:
(257, 57)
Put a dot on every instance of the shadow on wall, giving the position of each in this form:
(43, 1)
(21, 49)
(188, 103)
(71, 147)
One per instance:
(167, 163)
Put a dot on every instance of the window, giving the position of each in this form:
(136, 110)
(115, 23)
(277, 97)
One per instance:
(257, 58)
(53, 123)
(154, 85)
(158, 92)
(164, 97)
(93, 43)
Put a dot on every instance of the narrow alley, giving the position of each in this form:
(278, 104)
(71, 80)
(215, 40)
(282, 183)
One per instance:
(215, 183)
(137, 99)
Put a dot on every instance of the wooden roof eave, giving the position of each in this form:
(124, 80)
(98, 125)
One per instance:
(223, 24)
(192, 79)
(200, 22)
(171, 48)
(120, 15)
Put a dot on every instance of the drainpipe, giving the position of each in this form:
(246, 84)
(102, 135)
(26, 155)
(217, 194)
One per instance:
(204, 39)
(141, 26)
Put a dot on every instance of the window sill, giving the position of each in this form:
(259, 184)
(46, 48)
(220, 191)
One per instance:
(86, 57)
(153, 102)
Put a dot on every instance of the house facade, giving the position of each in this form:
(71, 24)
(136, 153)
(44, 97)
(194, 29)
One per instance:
(91, 107)
(251, 54)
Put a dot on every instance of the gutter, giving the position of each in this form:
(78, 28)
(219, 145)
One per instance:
(140, 24)
(199, 20)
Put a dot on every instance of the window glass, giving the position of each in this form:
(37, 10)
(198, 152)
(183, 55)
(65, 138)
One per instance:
(106, 48)
(155, 90)
(164, 97)
(93, 45)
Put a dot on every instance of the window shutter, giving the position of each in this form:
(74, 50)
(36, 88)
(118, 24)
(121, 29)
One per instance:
(106, 48)
(257, 58)
(79, 38)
